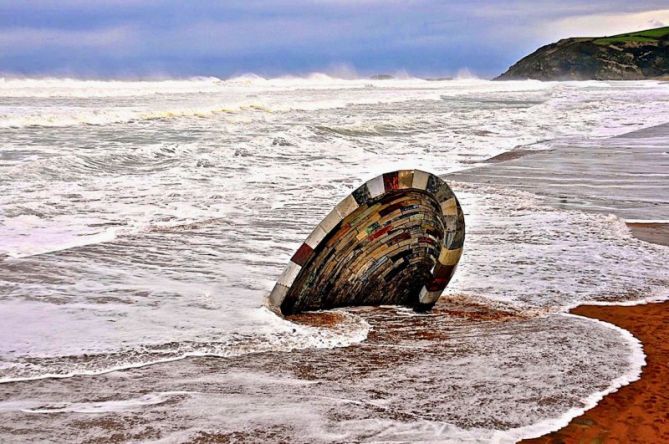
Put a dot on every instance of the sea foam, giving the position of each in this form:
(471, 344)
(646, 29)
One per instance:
(151, 225)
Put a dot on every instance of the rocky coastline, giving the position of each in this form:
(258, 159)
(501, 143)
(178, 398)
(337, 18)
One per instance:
(633, 56)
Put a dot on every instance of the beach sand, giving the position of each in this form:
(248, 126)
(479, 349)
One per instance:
(598, 177)
(657, 233)
(638, 412)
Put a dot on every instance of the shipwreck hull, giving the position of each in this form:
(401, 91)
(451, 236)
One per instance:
(396, 240)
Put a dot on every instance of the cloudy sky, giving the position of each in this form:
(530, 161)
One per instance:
(156, 38)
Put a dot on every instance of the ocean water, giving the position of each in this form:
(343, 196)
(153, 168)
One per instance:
(145, 222)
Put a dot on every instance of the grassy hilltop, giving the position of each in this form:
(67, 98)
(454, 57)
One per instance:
(629, 56)
(649, 35)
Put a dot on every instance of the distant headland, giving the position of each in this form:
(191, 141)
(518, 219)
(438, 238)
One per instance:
(632, 56)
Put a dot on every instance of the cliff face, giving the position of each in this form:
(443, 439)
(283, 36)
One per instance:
(634, 56)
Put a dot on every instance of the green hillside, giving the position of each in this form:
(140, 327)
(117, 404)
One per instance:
(631, 56)
(649, 35)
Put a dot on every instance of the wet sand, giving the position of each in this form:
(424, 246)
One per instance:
(624, 175)
(639, 412)
(406, 382)
(609, 177)
(657, 233)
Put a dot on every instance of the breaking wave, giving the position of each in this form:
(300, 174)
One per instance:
(153, 223)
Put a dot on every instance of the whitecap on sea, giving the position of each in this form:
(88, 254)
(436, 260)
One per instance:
(150, 225)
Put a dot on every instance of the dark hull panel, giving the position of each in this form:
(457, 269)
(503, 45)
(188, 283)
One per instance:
(397, 240)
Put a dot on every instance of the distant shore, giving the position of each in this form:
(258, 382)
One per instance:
(638, 412)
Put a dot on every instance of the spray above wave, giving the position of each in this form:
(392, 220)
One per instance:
(79, 88)
(230, 100)
(65, 102)
(68, 102)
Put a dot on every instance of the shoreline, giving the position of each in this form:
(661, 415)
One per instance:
(396, 342)
(655, 232)
(639, 411)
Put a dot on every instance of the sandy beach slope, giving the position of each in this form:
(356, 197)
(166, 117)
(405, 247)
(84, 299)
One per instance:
(639, 412)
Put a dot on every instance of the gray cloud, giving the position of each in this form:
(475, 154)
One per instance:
(140, 37)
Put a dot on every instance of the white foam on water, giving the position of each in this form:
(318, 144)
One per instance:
(647, 221)
(93, 407)
(74, 102)
(637, 361)
(58, 354)
(534, 255)
(156, 233)
(552, 368)
(51, 239)
(65, 102)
